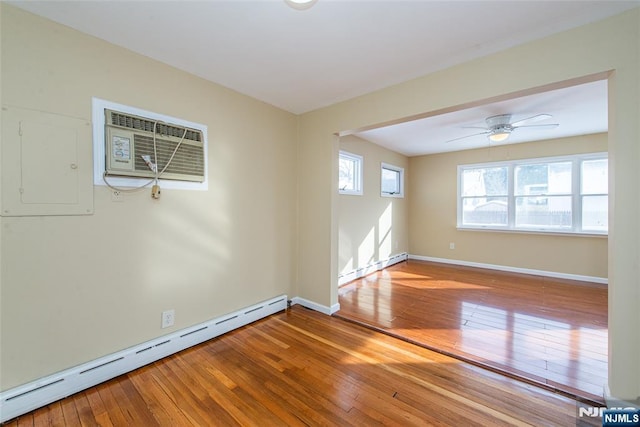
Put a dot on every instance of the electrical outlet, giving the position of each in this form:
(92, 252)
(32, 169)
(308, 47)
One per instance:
(117, 196)
(452, 245)
(168, 318)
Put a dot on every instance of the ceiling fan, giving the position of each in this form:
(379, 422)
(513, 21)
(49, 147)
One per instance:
(500, 127)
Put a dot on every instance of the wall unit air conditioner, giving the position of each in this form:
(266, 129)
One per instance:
(129, 137)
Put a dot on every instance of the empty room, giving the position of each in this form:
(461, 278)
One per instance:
(196, 199)
(512, 280)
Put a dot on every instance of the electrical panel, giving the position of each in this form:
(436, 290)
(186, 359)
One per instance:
(47, 164)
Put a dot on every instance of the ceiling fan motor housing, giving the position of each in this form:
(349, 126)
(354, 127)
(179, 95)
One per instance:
(499, 127)
(499, 120)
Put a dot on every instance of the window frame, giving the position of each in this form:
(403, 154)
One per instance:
(358, 162)
(400, 171)
(576, 195)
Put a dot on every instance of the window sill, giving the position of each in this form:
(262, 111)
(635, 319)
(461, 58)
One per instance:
(534, 231)
(397, 196)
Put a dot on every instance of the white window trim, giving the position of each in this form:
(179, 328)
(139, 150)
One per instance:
(511, 164)
(359, 166)
(98, 107)
(400, 171)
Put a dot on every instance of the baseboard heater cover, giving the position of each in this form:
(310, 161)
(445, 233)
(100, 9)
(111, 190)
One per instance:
(25, 398)
(371, 268)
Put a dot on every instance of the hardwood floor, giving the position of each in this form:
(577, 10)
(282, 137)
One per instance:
(550, 332)
(300, 368)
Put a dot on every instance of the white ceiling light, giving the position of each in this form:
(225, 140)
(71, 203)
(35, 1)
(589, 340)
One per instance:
(500, 134)
(300, 4)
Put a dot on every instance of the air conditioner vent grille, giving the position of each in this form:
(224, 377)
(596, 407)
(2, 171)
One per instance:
(129, 140)
(188, 160)
(139, 123)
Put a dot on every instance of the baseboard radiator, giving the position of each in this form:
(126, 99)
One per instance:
(25, 398)
(371, 268)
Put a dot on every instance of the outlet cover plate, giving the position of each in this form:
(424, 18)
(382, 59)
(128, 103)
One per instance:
(168, 318)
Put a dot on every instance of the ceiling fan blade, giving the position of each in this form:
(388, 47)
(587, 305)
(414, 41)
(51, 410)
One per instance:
(474, 127)
(532, 119)
(548, 126)
(468, 136)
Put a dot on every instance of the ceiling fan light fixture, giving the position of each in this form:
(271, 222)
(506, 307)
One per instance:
(499, 136)
(300, 4)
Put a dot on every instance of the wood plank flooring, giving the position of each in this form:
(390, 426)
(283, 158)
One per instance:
(551, 332)
(302, 368)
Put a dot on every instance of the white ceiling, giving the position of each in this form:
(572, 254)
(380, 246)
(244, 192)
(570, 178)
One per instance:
(579, 110)
(339, 49)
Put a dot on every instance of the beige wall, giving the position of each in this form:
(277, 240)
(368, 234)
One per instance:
(75, 288)
(372, 227)
(432, 217)
(598, 48)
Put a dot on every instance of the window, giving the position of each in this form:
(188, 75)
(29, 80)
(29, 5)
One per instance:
(391, 181)
(484, 196)
(350, 173)
(542, 194)
(594, 195)
(560, 194)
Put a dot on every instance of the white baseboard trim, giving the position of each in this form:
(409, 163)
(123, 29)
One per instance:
(371, 268)
(557, 275)
(25, 398)
(315, 306)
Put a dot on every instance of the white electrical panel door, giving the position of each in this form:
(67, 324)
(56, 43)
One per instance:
(49, 164)
(46, 164)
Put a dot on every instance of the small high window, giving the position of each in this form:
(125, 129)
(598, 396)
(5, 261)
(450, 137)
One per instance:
(391, 181)
(350, 173)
